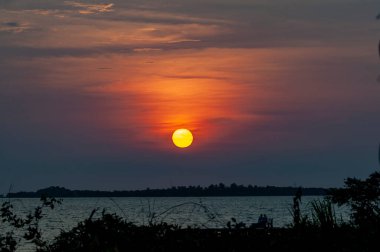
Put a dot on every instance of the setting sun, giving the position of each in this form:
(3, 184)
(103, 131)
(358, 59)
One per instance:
(182, 138)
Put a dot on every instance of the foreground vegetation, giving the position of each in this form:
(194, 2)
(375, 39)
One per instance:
(321, 231)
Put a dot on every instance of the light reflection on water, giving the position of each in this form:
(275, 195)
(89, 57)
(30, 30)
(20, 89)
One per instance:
(211, 212)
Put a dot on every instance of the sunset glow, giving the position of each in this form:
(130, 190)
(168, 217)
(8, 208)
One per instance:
(273, 92)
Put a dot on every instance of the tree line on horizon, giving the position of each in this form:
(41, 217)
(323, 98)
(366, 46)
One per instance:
(175, 191)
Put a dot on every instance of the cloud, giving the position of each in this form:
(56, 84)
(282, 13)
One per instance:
(183, 40)
(40, 52)
(147, 49)
(46, 12)
(186, 77)
(86, 9)
(164, 17)
(13, 27)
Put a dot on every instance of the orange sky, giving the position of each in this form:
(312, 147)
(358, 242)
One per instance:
(275, 92)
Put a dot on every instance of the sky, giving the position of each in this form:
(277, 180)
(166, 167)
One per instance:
(280, 93)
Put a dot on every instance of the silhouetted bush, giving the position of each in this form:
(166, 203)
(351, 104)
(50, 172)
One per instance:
(323, 214)
(363, 197)
(27, 225)
(112, 233)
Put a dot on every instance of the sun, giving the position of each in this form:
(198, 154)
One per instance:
(182, 138)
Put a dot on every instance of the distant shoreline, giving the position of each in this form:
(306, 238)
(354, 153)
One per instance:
(229, 196)
(219, 190)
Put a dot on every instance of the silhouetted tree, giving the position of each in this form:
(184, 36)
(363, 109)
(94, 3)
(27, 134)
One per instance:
(363, 197)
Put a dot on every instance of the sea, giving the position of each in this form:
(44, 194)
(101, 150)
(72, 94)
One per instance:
(201, 212)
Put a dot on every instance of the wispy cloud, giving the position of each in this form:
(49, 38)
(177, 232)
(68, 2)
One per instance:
(47, 12)
(164, 17)
(13, 26)
(147, 49)
(85, 8)
(195, 77)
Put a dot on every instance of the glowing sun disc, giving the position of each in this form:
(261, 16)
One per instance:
(182, 138)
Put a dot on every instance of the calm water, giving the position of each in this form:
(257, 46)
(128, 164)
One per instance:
(195, 211)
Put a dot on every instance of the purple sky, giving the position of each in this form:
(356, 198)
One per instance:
(275, 92)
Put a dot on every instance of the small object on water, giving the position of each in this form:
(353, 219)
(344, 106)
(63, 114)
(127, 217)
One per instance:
(263, 222)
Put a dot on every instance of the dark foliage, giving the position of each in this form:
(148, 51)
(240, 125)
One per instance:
(323, 214)
(299, 221)
(111, 233)
(363, 197)
(28, 225)
(296, 211)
